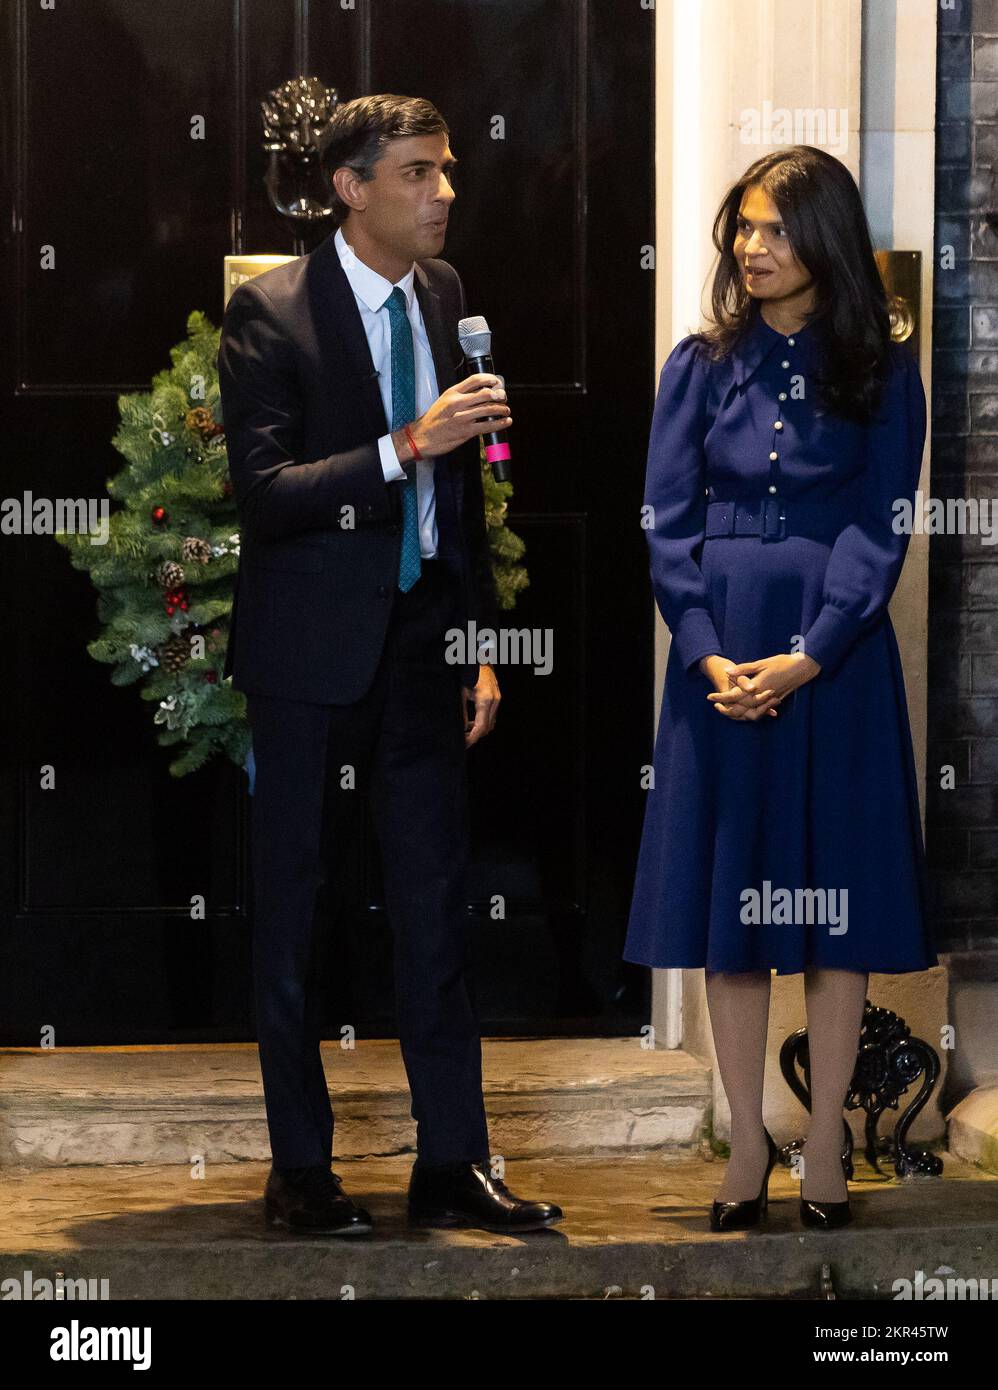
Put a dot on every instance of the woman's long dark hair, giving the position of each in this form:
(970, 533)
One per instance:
(820, 207)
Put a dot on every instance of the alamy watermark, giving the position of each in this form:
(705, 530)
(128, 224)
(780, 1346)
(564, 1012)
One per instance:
(28, 515)
(29, 1289)
(796, 907)
(511, 646)
(950, 516)
(827, 127)
(931, 1287)
(83, 1343)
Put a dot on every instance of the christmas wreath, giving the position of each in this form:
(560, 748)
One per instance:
(166, 577)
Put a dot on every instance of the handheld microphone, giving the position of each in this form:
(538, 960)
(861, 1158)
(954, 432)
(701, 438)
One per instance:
(475, 338)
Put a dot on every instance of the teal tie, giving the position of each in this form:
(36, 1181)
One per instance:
(403, 413)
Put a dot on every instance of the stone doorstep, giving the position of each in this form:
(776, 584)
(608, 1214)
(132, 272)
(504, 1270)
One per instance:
(630, 1223)
(79, 1137)
(972, 1128)
(165, 1105)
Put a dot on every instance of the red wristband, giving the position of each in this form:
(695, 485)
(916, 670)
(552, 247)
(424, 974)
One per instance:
(412, 443)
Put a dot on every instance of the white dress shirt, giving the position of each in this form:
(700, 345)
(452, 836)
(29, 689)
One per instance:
(371, 290)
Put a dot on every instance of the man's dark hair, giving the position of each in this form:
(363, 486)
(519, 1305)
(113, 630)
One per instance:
(360, 129)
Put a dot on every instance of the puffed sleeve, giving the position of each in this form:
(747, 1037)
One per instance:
(865, 562)
(675, 491)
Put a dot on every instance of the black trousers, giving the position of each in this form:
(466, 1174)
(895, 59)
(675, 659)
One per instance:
(405, 740)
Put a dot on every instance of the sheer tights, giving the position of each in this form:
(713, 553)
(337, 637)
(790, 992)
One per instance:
(739, 1016)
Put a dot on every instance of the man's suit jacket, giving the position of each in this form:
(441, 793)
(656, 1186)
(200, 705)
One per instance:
(303, 414)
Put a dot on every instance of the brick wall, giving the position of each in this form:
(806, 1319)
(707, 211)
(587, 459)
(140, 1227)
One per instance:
(962, 823)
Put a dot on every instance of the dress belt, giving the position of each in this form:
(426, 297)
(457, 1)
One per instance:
(775, 518)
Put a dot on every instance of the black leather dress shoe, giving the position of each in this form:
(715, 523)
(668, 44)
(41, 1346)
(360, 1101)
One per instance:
(463, 1194)
(312, 1200)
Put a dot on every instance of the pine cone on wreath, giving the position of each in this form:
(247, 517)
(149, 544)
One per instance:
(175, 652)
(170, 575)
(196, 551)
(199, 420)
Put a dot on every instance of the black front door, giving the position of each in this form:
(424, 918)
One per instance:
(121, 222)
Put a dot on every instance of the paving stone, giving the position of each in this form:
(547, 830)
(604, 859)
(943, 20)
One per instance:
(632, 1224)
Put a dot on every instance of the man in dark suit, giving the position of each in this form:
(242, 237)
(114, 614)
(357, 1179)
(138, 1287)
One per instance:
(353, 440)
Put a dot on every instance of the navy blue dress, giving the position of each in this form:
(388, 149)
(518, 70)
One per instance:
(772, 530)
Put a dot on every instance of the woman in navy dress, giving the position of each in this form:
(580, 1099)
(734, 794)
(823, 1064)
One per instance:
(782, 829)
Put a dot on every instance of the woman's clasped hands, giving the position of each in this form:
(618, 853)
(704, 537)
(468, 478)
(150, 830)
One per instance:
(752, 689)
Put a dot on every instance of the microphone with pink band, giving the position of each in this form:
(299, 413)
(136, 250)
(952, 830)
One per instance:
(475, 338)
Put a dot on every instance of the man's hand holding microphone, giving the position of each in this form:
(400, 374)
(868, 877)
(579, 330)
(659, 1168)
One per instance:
(455, 417)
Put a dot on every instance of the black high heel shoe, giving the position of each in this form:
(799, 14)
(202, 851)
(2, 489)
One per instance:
(827, 1216)
(739, 1216)
(847, 1155)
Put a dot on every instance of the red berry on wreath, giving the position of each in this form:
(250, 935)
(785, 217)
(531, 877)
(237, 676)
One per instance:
(159, 515)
